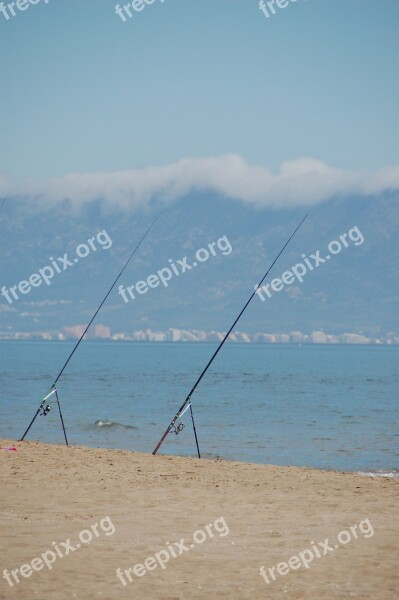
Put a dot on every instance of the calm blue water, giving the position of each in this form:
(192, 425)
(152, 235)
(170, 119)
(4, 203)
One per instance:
(333, 407)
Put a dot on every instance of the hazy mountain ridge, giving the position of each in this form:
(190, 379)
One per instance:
(357, 290)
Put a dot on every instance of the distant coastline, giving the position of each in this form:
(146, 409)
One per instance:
(103, 333)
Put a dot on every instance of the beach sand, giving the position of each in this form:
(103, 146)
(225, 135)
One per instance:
(52, 493)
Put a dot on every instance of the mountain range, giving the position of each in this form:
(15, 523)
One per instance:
(355, 290)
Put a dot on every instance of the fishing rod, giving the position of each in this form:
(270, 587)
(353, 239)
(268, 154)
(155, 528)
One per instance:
(187, 402)
(44, 410)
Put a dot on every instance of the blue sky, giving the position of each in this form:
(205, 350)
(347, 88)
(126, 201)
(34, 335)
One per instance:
(81, 91)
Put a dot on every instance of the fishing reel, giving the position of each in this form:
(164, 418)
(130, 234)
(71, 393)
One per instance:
(178, 429)
(45, 410)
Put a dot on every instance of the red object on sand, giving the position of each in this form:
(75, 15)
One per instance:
(9, 449)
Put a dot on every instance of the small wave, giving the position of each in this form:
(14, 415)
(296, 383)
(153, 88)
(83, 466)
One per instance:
(112, 424)
(391, 473)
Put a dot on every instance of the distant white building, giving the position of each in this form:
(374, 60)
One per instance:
(354, 338)
(318, 337)
(266, 338)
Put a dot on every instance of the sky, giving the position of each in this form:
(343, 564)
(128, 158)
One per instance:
(84, 92)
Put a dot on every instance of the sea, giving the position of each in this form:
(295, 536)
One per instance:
(329, 407)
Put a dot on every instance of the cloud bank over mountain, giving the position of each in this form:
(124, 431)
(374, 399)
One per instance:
(300, 182)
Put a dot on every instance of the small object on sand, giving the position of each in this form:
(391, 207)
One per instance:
(9, 448)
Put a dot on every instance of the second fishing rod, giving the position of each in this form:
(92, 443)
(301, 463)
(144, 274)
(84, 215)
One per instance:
(187, 402)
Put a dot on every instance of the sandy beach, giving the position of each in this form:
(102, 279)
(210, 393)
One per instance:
(189, 528)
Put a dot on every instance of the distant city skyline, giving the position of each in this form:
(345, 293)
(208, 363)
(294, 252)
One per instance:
(174, 335)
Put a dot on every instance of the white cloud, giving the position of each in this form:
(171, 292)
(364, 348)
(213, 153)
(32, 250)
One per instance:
(5, 308)
(41, 303)
(298, 182)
